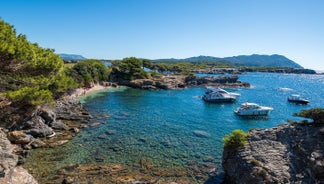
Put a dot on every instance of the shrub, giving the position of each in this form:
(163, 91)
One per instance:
(317, 114)
(88, 71)
(236, 139)
(29, 73)
(33, 95)
(129, 69)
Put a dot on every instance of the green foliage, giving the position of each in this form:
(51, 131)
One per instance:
(184, 67)
(63, 83)
(317, 114)
(89, 71)
(33, 95)
(29, 73)
(147, 63)
(129, 69)
(236, 139)
(155, 74)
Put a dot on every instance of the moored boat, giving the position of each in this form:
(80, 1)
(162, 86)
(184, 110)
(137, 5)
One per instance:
(216, 95)
(297, 99)
(252, 109)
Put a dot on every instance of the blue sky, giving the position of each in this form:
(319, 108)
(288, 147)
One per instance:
(114, 29)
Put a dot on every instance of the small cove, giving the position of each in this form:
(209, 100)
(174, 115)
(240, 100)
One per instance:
(158, 126)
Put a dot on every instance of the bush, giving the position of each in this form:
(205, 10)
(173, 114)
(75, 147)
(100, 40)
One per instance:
(29, 73)
(317, 114)
(32, 95)
(236, 139)
(129, 69)
(88, 71)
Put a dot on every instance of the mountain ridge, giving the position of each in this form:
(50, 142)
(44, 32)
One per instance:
(242, 60)
(74, 57)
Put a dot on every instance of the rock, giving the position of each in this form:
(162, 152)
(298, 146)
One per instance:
(21, 176)
(47, 113)
(102, 136)
(59, 143)
(37, 127)
(68, 180)
(75, 130)
(110, 132)
(19, 137)
(70, 110)
(36, 143)
(59, 125)
(200, 133)
(284, 154)
(180, 81)
(10, 172)
(94, 124)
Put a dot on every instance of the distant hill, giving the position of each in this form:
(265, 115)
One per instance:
(242, 60)
(73, 57)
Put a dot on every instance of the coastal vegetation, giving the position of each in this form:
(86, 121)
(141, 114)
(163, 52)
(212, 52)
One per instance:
(33, 75)
(182, 67)
(317, 114)
(130, 68)
(179, 67)
(29, 73)
(236, 139)
(89, 71)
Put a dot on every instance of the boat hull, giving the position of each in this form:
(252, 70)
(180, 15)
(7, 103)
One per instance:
(219, 100)
(253, 113)
(299, 101)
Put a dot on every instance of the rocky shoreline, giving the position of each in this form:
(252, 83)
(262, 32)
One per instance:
(167, 82)
(27, 128)
(284, 154)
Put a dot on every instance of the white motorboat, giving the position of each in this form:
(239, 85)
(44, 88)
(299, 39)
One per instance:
(252, 109)
(297, 99)
(219, 95)
(222, 91)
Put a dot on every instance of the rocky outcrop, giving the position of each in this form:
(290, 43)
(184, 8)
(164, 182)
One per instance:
(217, 81)
(180, 82)
(284, 154)
(30, 127)
(10, 171)
(162, 82)
(70, 110)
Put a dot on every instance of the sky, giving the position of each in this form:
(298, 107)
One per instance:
(155, 29)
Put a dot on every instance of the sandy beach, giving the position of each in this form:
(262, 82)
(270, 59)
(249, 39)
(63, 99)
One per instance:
(79, 92)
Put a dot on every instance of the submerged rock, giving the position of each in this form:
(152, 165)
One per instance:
(200, 133)
(284, 154)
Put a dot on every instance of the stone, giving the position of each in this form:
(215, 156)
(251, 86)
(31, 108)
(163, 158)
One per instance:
(58, 143)
(47, 113)
(19, 137)
(9, 162)
(284, 154)
(36, 143)
(37, 127)
(200, 133)
(58, 125)
(110, 132)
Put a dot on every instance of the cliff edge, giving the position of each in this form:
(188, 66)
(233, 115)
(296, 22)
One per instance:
(284, 154)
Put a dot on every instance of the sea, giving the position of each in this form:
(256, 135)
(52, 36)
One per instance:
(175, 128)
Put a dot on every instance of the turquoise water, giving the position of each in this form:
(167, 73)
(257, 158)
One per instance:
(159, 126)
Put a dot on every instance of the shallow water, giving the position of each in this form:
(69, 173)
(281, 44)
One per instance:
(158, 126)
